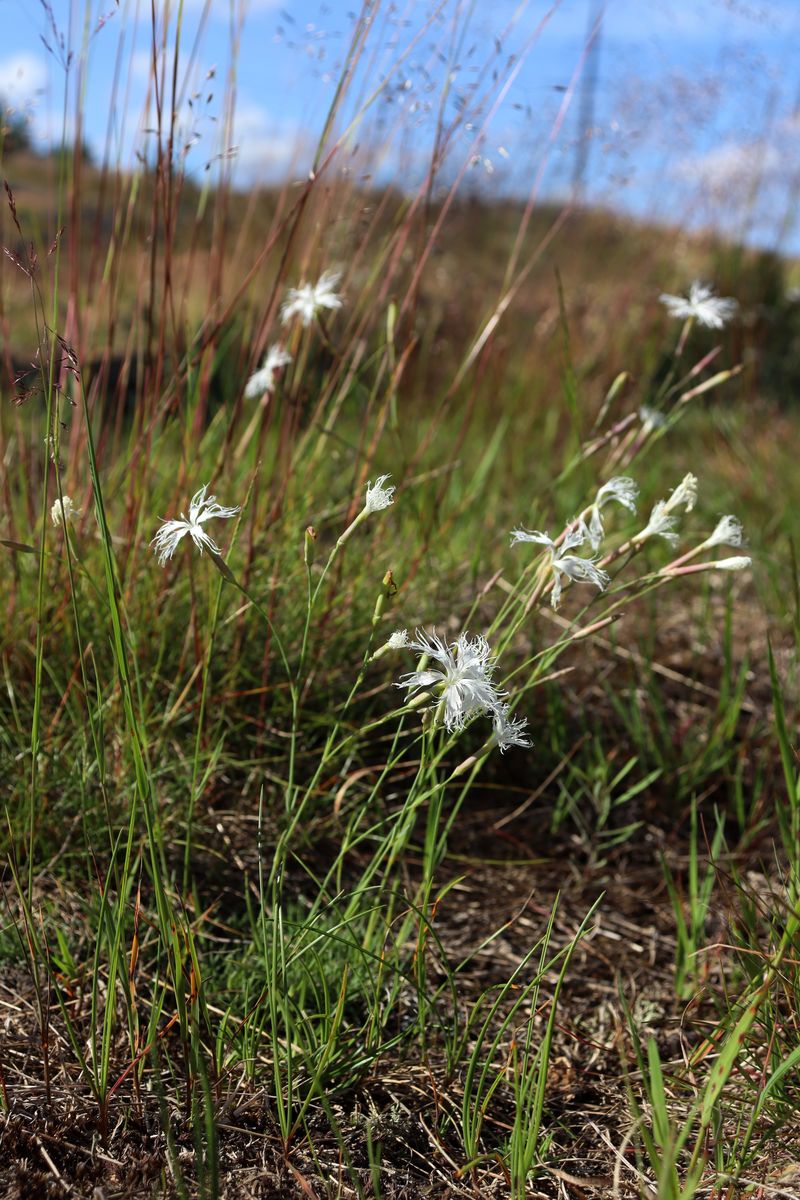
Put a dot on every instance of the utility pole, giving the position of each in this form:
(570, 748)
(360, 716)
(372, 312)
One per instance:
(588, 91)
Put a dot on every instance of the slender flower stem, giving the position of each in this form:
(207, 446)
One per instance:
(387, 589)
(687, 329)
(193, 797)
(38, 668)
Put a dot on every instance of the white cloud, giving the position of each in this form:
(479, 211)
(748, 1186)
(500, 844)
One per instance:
(637, 21)
(141, 65)
(266, 147)
(22, 77)
(733, 166)
(751, 184)
(705, 20)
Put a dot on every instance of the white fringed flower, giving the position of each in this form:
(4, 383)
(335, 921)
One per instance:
(379, 496)
(622, 489)
(651, 418)
(579, 570)
(662, 521)
(661, 524)
(64, 511)
(509, 732)
(573, 538)
(685, 494)
(202, 508)
(706, 308)
(463, 676)
(263, 380)
(307, 300)
(728, 532)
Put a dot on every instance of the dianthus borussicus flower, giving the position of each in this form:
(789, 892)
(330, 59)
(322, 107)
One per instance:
(662, 521)
(651, 418)
(262, 381)
(684, 495)
(509, 732)
(202, 508)
(63, 511)
(728, 532)
(463, 675)
(563, 563)
(702, 305)
(379, 496)
(622, 489)
(307, 300)
(660, 524)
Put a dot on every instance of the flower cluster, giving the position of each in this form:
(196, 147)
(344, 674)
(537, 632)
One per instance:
(461, 673)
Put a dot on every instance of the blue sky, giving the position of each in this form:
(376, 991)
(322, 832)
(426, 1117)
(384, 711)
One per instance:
(694, 114)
